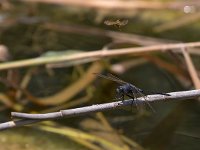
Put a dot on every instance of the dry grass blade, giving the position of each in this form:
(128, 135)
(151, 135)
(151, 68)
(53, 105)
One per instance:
(123, 66)
(84, 30)
(163, 64)
(115, 134)
(119, 4)
(9, 103)
(67, 93)
(178, 22)
(191, 69)
(101, 128)
(176, 68)
(74, 133)
(24, 82)
(71, 104)
(132, 143)
(97, 54)
(70, 91)
(119, 36)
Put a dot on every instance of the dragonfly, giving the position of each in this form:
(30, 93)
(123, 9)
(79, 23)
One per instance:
(129, 90)
(117, 22)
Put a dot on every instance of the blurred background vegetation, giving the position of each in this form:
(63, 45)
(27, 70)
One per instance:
(40, 29)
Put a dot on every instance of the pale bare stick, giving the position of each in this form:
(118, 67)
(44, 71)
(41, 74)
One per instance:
(33, 118)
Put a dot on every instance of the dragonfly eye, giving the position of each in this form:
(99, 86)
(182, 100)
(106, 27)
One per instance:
(119, 89)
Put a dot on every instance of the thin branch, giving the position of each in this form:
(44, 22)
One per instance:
(120, 4)
(95, 54)
(177, 23)
(33, 118)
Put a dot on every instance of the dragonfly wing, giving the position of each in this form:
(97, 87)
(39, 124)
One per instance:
(109, 23)
(111, 78)
(123, 22)
(116, 78)
(144, 96)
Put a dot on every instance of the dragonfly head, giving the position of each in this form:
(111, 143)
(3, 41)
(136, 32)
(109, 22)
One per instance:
(119, 90)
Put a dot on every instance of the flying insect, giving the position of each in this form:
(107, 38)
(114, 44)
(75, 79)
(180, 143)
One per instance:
(117, 22)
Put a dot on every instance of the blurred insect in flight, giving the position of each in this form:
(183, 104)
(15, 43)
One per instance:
(118, 23)
(129, 90)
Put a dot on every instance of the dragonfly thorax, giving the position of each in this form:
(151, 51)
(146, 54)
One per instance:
(126, 89)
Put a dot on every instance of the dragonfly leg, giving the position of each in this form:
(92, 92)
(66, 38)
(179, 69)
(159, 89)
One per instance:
(119, 96)
(122, 97)
(149, 104)
(146, 101)
(134, 101)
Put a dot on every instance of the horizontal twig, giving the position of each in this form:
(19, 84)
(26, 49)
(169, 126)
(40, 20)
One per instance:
(33, 118)
(18, 123)
(96, 54)
(120, 4)
(106, 106)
